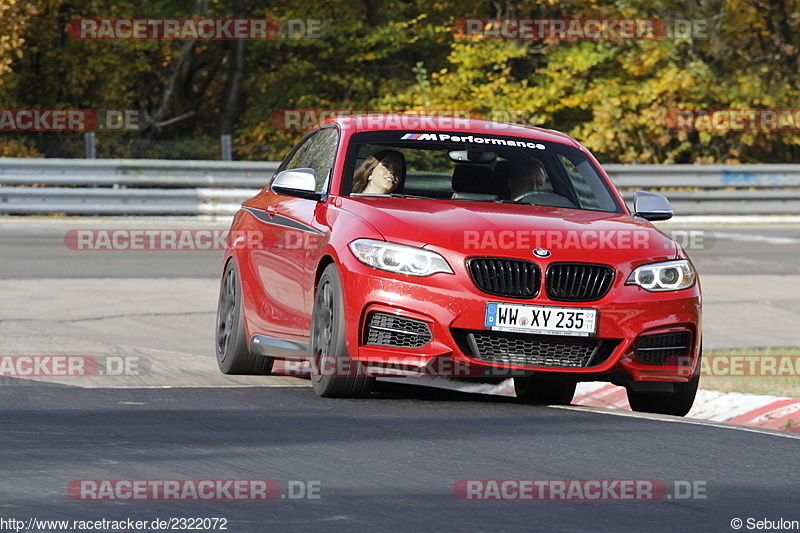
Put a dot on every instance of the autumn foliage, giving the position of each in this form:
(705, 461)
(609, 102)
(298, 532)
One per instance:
(613, 95)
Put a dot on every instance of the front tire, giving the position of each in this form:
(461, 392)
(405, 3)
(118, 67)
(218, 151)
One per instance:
(333, 373)
(677, 403)
(233, 354)
(541, 392)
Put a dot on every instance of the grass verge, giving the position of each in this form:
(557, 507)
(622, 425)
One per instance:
(753, 370)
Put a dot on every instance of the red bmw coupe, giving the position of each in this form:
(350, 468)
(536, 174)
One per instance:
(409, 245)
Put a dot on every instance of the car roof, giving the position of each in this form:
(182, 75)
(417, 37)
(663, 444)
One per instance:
(410, 122)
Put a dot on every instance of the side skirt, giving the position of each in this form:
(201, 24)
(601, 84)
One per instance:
(278, 348)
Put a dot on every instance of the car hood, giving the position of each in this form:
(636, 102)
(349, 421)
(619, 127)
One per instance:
(512, 230)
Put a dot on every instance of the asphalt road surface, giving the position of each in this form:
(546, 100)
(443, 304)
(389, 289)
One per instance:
(400, 461)
(388, 463)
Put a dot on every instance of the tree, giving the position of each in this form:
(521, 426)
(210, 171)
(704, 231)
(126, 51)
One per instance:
(14, 16)
(613, 95)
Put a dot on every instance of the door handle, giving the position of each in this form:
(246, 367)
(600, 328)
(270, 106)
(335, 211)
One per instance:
(271, 211)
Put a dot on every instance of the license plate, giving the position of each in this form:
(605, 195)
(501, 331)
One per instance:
(541, 319)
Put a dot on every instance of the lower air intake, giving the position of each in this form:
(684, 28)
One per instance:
(538, 350)
(658, 349)
(395, 331)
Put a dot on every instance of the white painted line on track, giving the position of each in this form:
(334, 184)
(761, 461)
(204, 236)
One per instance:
(746, 237)
(679, 420)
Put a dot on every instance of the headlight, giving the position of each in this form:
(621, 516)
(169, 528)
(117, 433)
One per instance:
(667, 276)
(399, 258)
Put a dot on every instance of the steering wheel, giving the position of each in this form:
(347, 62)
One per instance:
(545, 198)
(525, 197)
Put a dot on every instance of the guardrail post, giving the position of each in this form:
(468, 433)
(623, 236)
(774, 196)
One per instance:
(91, 150)
(225, 145)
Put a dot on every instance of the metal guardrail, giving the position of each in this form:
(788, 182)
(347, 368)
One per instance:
(723, 189)
(135, 172)
(186, 188)
(128, 187)
(121, 201)
(705, 176)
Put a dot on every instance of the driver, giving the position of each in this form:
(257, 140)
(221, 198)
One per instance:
(526, 177)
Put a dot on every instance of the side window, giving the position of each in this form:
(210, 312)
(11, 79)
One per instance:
(588, 186)
(320, 155)
(295, 157)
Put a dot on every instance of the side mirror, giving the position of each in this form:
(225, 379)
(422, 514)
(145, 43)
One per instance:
(298, 182)
(651, 206)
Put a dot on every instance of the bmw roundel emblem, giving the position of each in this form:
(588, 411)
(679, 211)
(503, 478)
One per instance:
(541, 252)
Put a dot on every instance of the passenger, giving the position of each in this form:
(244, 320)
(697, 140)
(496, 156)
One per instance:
(382, 173)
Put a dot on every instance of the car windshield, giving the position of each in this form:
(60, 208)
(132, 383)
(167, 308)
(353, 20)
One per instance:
(477, 167)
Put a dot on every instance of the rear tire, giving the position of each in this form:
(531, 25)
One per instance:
(233, 354)
(542, 392)
(333, 373)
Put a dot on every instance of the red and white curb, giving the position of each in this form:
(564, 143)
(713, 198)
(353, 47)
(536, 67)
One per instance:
(768, 412)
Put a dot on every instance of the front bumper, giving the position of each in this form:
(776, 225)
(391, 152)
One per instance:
(453, 308)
